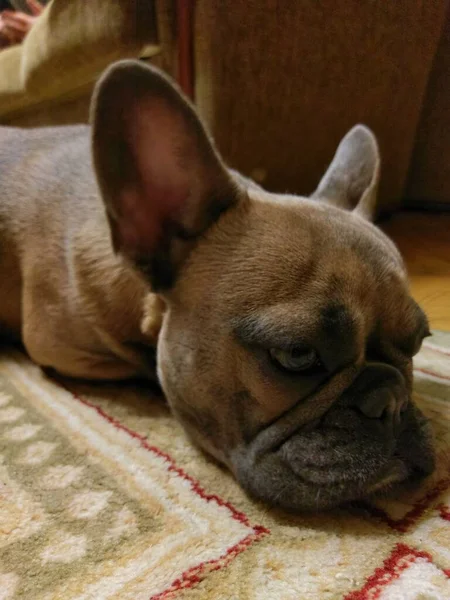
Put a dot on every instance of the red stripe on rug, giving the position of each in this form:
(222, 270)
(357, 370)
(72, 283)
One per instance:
(428, 372)
(172, 467)
(402, 525)
(444, 512)
(401, 558)
(194, 575)
(437, 349)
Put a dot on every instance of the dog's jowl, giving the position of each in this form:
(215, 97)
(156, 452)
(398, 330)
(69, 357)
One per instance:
(284, 327)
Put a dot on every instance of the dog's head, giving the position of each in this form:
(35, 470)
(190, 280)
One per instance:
(286, 347)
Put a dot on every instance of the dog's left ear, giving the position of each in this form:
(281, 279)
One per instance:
(351, 180)
(161, 179)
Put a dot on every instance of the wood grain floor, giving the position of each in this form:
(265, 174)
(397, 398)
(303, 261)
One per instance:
(424, 241)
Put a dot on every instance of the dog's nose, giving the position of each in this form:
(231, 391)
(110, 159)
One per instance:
(380, 393)
(381, 404)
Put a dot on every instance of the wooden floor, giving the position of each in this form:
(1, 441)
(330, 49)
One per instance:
(424, 241)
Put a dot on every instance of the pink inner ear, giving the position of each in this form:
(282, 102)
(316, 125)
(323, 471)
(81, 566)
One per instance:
(157, 139)
(143, 216)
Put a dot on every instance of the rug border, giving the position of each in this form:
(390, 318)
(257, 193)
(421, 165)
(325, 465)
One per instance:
(194, 575)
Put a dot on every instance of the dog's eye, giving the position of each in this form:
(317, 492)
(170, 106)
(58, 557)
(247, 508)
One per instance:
(296, 360)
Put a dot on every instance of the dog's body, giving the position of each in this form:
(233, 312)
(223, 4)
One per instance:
(283, 325)
(77, 306)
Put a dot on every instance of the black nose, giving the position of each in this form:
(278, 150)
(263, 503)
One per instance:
(380, 404)
(380, 393)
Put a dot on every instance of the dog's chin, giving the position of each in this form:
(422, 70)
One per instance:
(275, 483)
(286, 479)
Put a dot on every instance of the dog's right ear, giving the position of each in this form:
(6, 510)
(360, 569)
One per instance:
(161, 179)
(351, 181)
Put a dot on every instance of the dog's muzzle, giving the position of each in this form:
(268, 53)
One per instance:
(369, 439)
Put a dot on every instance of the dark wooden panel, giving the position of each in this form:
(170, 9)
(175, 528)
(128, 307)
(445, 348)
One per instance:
(281, 82)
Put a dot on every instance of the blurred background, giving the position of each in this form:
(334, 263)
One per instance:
(278, 83)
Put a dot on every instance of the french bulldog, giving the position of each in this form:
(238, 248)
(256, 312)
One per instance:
(280, 327)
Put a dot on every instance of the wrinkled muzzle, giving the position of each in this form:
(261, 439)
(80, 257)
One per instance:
(369, 439)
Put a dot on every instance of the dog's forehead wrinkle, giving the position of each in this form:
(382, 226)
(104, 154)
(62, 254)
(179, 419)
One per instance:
(414, 328)
(338, 322)
(278, 327)
(333, 331)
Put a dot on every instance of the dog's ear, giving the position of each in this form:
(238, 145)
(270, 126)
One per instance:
(351, 180)
(161, 179)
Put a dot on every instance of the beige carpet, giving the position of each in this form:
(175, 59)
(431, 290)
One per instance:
(102, 496)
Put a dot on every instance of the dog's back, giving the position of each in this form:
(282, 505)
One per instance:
(39, 167)
(56, 259)
(35, 164)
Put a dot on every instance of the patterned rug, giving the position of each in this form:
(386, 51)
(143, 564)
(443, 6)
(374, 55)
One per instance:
(102, 496)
